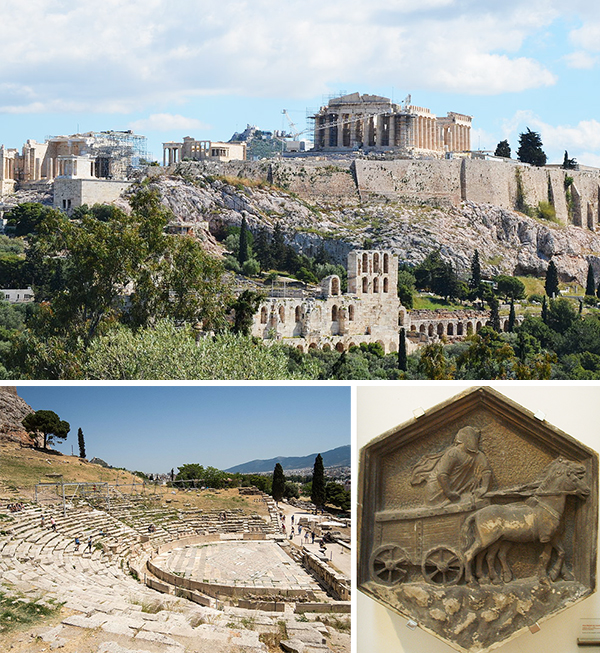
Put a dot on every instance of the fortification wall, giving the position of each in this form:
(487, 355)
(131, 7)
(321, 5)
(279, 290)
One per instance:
(446, 181)
(421, 180)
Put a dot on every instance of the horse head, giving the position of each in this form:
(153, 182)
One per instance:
(565, 477)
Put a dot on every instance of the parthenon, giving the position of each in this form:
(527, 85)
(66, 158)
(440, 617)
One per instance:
(372, 122)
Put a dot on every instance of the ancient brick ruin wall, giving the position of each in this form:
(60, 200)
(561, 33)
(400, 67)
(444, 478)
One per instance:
(70, 193)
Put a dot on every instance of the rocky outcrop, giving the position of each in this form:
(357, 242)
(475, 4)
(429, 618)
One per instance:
(508, 242)
(13, 410)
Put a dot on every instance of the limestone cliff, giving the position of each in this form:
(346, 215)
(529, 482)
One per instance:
(13, 410)
(508, 242)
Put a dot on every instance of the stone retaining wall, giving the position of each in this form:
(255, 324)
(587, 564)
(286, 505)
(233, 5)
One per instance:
(335, 582)
(338, 606)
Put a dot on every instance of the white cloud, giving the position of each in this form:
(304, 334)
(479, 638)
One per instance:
(130, 56)
(166, 122)
(581, 60)
(582, 140)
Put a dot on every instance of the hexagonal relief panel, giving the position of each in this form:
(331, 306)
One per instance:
(477, 520)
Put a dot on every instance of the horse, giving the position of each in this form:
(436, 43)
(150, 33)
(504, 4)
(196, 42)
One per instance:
(538, 519)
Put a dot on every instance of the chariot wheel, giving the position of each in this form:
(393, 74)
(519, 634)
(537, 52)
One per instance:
(389, 564)
(442, 566)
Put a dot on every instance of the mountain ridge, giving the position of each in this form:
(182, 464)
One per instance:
(338, 457)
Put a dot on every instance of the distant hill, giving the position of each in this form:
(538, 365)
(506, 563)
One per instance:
(339, 457)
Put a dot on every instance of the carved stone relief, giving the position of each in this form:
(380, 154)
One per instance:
(477, 520)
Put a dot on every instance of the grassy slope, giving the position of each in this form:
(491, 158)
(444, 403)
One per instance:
(21, 469)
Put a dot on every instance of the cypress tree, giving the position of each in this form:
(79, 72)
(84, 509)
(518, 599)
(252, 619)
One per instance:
(243, 255)
(590, 284)
(494, 304)
(402, 360)
(503, 149)
(511, 316)
(545, 310)
(551, 284)
(278, 486)
(278, 249)
(317, 495)
(81, 443)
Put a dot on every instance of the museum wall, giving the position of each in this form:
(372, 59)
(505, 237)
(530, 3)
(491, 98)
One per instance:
(573, 408)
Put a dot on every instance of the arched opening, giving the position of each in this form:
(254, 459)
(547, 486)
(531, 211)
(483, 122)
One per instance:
(300, 348)
(386, 263)
(335, 286)
(412, 327)
(365, 262)
(505, 326)
(422, 328)
(352, 344)
(350, 313)
(459, 329)
(282, 313)
(477, 327)
(334, 313)
(469, 328)
(380, 342)
(340, 347)
(450, 329)
(375, 285)
(430, 330)
(375, 263)
(263, 315)
(297, 314)
(385, 285)
(440, 329)
(393, 346)
(326, 347)
(313, 345)
(365, 285)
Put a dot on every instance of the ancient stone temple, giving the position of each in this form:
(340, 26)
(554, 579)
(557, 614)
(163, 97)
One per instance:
(191, 149)
(367, 313)
(478, 520)
(375, 123)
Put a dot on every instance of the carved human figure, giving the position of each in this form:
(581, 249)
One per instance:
(461, 472)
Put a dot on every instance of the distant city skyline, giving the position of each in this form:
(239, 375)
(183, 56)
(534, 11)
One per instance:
(156, 428)
(167, 70)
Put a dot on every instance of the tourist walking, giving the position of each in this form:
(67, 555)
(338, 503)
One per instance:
(53, 524)
(77, 544)
(89, 545)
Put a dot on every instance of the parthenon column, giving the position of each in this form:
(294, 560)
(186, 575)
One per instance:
(340, 133)
(392, 131)
(367, 131)
(379, 131)
(326, 132)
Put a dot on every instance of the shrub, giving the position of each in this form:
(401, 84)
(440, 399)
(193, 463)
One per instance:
(251, 267)
(545, 211)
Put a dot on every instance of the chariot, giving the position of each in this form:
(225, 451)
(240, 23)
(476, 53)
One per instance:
(420, 541)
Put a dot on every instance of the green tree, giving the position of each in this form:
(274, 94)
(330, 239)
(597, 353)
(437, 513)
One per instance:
(530, 148)
(406, 288)
(433, 363)
(494, 305)
(277, 247)
(590, 283)
(475, 278)
(48, 423)
(544, 314)
(510, 287)
(291, 491)
(487, 357)
(278, 484)
(81, 443)
(561, 315)
(569, 164)
(317, 495)
(402, 359)
(337, 496)
(511, 317)
(26, 217)
(503, 149)
(551, 283)
(243, 253)
(245, 306)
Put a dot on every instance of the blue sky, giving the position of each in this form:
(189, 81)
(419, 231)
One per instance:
(156, 428)
(206, 69)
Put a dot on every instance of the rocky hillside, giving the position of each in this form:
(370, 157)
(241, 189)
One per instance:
(13, 410)
(508, 242)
